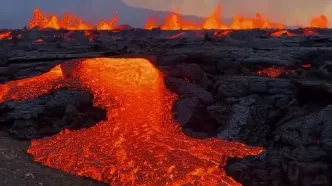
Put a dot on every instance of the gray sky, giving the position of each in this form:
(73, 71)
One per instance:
(17, 12)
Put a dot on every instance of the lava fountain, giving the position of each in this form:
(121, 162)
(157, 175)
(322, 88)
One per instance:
(140, 143)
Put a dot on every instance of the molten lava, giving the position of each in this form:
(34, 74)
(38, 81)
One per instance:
(176, 35)
(319, 22)
(68, 21)
(6, 35)
(309, 32)
(307, 65)
(274, 72)
(175, 22)
(172, 22)
(38, 41)
(282, 33)
(140, 143)
(89, 35)
(221, 33)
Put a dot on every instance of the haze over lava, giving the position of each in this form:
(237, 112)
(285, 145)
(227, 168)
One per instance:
(139, 144)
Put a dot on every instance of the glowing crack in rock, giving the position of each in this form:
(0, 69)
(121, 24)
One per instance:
(282, 33)
(6, 35)
(140, 143)
(274, 72)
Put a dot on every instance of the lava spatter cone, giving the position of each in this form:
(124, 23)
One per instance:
(140, 143)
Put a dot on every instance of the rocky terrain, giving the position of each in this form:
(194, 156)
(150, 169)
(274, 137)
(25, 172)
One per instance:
(247, 86)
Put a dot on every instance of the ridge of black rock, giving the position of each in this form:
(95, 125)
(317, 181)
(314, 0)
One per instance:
(49, 114)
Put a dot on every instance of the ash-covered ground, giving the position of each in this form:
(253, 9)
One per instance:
(247, 86)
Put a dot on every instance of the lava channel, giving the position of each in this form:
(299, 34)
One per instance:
(140, 143)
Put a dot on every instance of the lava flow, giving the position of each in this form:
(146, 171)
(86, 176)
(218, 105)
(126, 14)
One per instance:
(282, 33)
(5, 35)
(140, 143)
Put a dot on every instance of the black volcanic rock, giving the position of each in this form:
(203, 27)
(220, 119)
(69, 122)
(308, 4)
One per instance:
(182, 87)
(49, 114)
(298, 155)
(239, 86)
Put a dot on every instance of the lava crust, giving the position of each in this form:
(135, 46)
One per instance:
(140, 143)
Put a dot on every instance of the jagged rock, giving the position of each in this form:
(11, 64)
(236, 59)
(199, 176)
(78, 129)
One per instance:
(240, 86)
(182, 87)
(47, 115)
(313, 90)
(326, 134)
(236, 122)
(264, 61)
(226, 65)
(189, 110)
(195, 74)
(191, 72)
(249, 119)
(316, 41)
(295, 156)
(184, 109)
(316, 57)
(314, 85)
(325, 71)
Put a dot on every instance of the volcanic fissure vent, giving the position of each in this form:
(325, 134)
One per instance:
(139, 143)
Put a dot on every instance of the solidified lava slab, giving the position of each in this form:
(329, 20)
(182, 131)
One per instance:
(140, 143)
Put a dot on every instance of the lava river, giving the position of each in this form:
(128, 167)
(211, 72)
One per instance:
(140, 143)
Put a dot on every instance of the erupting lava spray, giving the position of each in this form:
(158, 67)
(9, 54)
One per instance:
(173, 21)
(139, 144)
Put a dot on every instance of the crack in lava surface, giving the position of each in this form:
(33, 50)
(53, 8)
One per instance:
(140, 143)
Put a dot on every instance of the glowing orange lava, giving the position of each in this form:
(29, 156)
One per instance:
(68, 21)
(319, 22)
(176, 35)
(309, 32)
(306, 65)
(175, 22)
(89, 35)
(221, 33)
(38, 41)
(274, 72)
(282, 33)
(172, 22)
(6, 35)
(140, 143)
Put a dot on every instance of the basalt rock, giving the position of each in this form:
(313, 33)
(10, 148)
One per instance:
(182, 87)
(191, 72)
(298, 154)
(241, 86)
(49, 114)
(190, 109)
